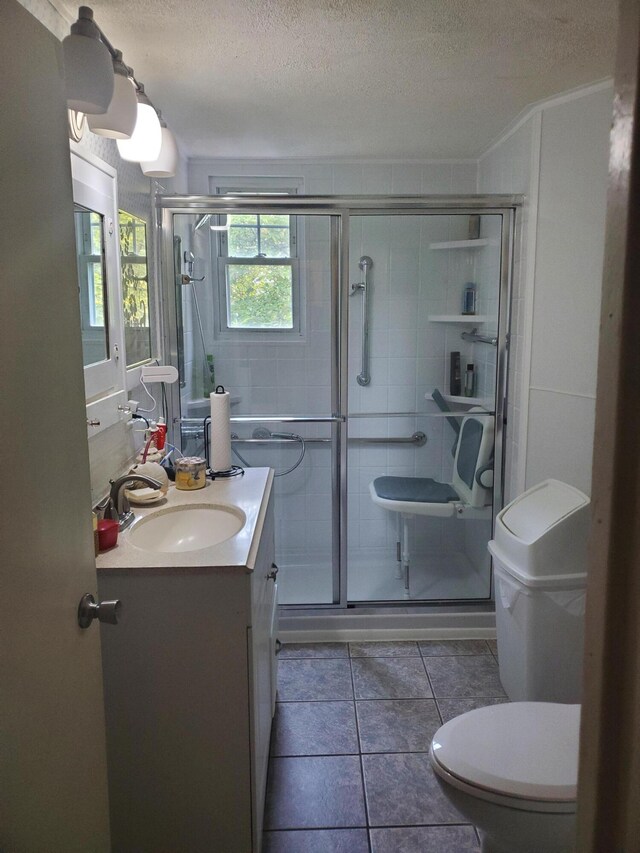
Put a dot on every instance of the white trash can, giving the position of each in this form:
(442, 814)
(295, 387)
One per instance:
(540, 571)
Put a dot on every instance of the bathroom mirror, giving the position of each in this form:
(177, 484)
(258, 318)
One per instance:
(96, 217)
(92, 281)
(135, 287)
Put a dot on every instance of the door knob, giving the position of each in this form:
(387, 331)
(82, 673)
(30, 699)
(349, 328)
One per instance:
(106, 611)
(272, 575)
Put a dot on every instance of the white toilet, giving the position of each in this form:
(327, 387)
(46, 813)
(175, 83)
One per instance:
(512, 769)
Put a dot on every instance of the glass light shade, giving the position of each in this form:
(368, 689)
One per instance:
(146, 138)
(120, 119)
(167, 162)
(88, 74)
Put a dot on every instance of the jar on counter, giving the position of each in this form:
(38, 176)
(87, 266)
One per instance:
(191, 473)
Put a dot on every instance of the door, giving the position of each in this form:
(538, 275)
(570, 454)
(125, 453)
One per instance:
(257, 313)
(425, 345)
(53, 773)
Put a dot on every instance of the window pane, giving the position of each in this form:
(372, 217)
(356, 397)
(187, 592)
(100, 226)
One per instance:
(135, 288)
(243, 219)
(91, 285)
(274, 242)
(274, 219)
(259, 297)
(243, 241)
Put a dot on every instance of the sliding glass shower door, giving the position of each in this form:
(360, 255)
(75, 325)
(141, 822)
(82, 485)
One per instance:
(363, 342)
(256, 293)
(422, 363)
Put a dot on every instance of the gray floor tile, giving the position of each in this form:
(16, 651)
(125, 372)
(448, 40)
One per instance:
(390, 678)
(310, 680)
(314, 728)
(397, 725)
(433, 648)
(313, 650)
(399, 648)
(493, 645)
(303, 793)
(402, 790)
(316, 841)
(425, 839)
(464, 677)
(450, 708)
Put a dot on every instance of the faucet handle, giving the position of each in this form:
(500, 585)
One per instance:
(106, 508)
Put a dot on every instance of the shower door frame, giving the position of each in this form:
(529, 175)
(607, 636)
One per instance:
(340, 209)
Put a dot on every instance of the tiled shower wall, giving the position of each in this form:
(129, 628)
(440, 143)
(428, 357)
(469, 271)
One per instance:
(409, 354)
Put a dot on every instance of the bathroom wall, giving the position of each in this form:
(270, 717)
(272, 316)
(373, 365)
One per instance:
(111, 450)
(556, 155)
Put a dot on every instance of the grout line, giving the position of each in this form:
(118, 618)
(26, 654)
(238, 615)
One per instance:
(364, 789)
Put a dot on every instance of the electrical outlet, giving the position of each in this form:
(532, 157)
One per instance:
(133, 406)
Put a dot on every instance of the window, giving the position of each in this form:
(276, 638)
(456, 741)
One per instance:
(135, 288)
(259, 269)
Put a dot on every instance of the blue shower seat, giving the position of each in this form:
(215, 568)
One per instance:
(471, 485)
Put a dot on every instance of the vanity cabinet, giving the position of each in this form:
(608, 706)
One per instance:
(189, 676)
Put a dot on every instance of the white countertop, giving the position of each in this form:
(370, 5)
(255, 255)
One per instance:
(249, 492)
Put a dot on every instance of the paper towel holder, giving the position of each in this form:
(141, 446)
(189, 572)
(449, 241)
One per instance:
(219, 389)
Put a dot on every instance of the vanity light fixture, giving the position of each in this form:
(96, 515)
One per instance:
(99, 84)
(165, 165)
(146, 139)
(120, 119)
(88, 68)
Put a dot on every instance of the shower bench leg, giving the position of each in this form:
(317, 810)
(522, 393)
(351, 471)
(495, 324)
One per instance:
(405, 552)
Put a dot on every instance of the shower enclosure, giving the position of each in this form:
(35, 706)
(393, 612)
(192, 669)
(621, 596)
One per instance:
(335, 322)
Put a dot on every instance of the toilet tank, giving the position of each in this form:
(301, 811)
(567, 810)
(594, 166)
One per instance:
(539, 555)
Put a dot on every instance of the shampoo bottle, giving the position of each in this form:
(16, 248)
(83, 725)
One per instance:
(469, 381)
(469, 298)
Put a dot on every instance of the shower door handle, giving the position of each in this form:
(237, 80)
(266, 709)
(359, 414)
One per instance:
(364, 377)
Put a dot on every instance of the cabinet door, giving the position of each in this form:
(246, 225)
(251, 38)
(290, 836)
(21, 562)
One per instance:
(274, 639)
(261, 651)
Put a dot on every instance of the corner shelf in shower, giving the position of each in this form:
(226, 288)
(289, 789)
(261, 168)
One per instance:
(460, 318)
(463, 244)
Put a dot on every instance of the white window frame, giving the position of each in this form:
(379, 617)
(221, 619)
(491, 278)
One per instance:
(95, 188)
(220, 261)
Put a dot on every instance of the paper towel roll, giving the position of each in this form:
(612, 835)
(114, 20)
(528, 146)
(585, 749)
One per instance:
(220, 430)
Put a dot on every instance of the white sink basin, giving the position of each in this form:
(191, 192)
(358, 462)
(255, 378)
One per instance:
(186, 528)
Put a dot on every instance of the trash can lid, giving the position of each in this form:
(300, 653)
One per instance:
(529, 516)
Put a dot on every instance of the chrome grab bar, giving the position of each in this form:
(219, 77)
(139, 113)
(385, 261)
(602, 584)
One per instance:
(364, 377)
(272, 419)
(418, 438)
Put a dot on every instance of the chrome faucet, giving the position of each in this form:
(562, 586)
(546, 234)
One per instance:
(117, 505)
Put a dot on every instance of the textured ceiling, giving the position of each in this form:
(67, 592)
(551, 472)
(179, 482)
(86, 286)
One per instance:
(355, 78)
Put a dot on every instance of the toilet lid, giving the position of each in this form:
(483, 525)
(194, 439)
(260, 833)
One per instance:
(523, 749)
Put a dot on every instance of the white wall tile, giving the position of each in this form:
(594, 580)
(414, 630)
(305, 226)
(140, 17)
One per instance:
(560, 441)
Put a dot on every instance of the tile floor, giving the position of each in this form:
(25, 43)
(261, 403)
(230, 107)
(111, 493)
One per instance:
(349, 769)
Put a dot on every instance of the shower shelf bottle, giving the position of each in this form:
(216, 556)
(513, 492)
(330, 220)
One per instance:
(469, 381)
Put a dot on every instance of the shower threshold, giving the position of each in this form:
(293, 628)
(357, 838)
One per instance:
(360, 623)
